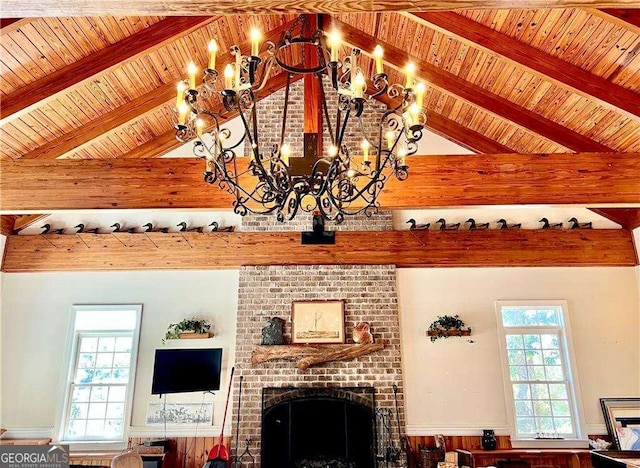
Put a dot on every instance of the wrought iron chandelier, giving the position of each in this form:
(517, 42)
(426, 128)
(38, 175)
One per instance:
(347, 181)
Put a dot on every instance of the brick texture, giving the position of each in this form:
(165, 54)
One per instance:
(383, 221)
(370, 295)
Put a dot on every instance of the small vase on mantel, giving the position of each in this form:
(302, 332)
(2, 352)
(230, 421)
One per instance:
(489, 439)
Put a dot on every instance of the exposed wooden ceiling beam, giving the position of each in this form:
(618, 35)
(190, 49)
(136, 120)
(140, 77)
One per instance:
(8, 25)
(584, 179)
(229, 7)
(143, 42)
(469, 92)
(628, 218)
(542, 64)
(122, 251)
(7, 223)
(85, 135)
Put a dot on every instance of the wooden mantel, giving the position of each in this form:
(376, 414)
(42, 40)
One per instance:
(204, 251)
(312, 355)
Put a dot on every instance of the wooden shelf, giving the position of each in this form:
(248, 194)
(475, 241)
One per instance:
(312, 355)
(194, 336)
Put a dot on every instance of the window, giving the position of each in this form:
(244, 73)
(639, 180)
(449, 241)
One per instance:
(101, 372)
(540, 384)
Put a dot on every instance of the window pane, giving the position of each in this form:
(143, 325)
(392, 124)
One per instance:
(81, 394)
(563, 425)
(85, 375)
(542, 408)
(560, 408)
(548, 317)
(121, 375)
(524, 408)
(95, 427)
(76, 428)
(123, 344)
(105, 320)
(555, 373)
(558, 392)
(550, 341)
(514, 342)
(121, 359)
(87, 360)
(545, 424)
(89, 344)
(115, 410)
(104, 360)
(518, 373)
(516, 357)
(113, 428)
(99, 394)
(525, 426)
(101, 375)
(531, 341)
(512, 318)
(97, 410)
(530, 316)
(552, 357)
(534, 357)
(107, 344)
(521, 391)
(78, 411)
(536, 373)
(117, 393)
(539, 392)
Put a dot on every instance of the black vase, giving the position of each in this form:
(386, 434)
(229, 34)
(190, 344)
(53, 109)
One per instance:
(488, 439)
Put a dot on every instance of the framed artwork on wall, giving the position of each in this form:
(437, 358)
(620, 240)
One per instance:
(622, 416)
(317, 322)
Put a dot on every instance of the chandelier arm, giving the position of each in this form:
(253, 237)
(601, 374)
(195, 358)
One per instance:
(325, 109)
(284, 111)
(344, 126)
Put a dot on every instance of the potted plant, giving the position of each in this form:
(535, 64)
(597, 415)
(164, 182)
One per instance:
(446, 326)
(188, 328)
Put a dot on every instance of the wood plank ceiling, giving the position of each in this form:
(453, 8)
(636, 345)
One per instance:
(520, 80)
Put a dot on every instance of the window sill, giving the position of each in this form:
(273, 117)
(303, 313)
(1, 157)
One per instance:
(549, 443)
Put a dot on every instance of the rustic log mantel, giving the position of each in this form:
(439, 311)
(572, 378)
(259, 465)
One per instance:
(311, 355)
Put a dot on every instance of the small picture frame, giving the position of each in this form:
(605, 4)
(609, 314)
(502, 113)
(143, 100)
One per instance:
(317, 322)
(622, 417)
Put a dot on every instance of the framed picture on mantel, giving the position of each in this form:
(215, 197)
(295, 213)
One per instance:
(317, 322)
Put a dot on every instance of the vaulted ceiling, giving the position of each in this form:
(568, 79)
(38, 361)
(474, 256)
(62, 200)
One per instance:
(520, 81)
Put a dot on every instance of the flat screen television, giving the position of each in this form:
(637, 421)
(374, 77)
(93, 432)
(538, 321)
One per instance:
(186, 370)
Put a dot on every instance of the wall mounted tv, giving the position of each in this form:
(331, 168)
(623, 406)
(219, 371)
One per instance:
(186, 370)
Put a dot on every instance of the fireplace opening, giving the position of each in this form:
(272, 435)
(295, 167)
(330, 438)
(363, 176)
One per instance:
(318, 427)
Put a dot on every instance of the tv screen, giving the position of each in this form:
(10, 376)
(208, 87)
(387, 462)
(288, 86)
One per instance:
(186, 370)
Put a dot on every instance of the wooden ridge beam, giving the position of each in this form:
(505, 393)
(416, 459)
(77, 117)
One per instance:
(84, 135)
(469, 92)
(542, 64)
(584, 179)
(123, 251)
(8, 25)
(7, 223)
(231, 7)
(143, 42)
(629, 16)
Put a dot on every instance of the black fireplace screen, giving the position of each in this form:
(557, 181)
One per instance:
(318, 427)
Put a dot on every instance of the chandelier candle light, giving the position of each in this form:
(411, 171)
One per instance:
(348, 180)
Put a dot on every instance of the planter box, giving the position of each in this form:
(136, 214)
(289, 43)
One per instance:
(192, 336)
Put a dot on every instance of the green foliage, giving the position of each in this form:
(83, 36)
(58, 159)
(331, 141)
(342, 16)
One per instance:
(444, 324)
(186, 325)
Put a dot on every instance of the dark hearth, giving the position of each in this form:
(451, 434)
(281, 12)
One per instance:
(318, 427)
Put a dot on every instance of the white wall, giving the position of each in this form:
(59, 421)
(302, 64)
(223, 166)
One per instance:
(453, 386)
(36, 310)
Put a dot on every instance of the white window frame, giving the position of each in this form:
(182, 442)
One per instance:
(571, 369)
(71, 360)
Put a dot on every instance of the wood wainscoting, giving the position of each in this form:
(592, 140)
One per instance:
(185, 452)
(537, 458)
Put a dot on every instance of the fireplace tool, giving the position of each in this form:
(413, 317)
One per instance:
(219, 454)
(387, 451)
(412, 460)
(236, 460)
(247, 453)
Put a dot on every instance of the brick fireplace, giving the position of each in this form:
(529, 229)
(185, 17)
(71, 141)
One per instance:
(370, 295)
